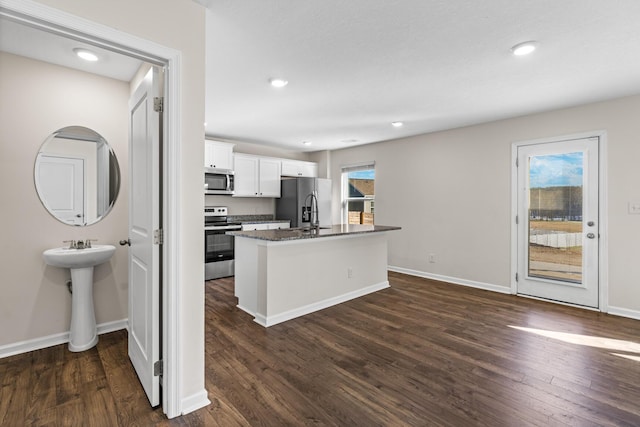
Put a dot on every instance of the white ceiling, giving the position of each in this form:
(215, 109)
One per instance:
(35, 43)
(355, 66)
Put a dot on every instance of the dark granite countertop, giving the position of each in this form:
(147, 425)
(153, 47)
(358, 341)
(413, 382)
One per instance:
(254, 219)
(286, 234)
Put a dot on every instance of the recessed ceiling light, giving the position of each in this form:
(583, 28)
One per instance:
(396, 124)
(85, 54)
(278, 82)
(524, 48)
(306, 142)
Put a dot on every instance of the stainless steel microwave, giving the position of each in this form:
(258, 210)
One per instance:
(218, 181)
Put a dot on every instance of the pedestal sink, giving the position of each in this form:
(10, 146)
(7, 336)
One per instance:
(83, 333)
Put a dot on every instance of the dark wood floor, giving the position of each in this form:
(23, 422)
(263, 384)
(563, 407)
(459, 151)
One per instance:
(419, 353)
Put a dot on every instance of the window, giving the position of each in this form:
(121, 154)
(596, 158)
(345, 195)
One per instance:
(358, 193)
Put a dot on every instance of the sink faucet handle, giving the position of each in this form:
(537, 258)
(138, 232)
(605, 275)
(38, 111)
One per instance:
(87, 242)
(72, 244)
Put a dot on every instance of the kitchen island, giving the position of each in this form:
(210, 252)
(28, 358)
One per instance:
(284, 274)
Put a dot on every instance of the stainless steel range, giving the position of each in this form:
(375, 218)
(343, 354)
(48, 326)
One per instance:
(218, 246)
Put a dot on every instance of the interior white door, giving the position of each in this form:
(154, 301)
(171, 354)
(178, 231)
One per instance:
(60, 182)
(144, 220)
(558, 224)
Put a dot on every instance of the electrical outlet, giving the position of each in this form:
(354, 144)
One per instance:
(634, 208)
(349, 272)
(432, 258)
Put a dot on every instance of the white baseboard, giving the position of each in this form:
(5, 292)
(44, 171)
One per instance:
(454, 280)
(624, 312)
(195, 401)
(56, 339)
(246, 310)
(267, 321)
(614, 311)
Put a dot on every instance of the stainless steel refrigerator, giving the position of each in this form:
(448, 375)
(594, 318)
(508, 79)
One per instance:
(294, 192)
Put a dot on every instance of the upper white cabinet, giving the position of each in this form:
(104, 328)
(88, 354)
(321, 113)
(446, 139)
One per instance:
(256, 176)
(299, 168)
(218, 154)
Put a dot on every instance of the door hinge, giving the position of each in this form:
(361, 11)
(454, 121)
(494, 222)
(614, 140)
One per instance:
(158, 104)
(158, 368)
(516, 277)
(517, 219)
(517, 163)
(158, 236)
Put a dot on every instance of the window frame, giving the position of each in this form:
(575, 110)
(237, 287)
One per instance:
(344, 195)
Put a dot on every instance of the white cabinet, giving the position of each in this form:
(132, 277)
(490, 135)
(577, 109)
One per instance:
(299, 168)
(252, 227)
(218, 154)
(256, 176)
(276, 225)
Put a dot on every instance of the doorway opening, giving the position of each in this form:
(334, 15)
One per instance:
(53, 21)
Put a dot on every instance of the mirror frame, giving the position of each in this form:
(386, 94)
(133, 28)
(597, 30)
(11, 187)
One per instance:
(62, 163)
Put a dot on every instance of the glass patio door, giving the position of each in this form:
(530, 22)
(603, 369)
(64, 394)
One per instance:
(558, 221)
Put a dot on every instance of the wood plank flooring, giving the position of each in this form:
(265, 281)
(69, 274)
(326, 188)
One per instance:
(421, 353)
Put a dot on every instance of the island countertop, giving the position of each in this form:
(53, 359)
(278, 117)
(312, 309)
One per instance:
(286, 234)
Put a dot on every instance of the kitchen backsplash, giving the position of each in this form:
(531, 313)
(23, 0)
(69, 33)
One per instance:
(243, 205)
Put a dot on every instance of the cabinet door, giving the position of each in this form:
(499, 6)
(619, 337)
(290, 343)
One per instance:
(208, 154)
(278, 225)
(246, 176)
(299, 168)
(252, 227)
(269, 177)
(218, 155)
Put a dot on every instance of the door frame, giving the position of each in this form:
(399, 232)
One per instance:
(59, 22)
(603, 255)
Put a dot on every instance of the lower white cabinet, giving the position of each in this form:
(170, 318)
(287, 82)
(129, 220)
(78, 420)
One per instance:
(256, 176)
(265, 226)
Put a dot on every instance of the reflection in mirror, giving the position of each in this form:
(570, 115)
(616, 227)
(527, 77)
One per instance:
(77, 175)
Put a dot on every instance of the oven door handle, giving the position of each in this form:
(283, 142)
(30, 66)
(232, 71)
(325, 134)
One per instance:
(222, 228)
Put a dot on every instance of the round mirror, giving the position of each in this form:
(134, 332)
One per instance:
(77, 175)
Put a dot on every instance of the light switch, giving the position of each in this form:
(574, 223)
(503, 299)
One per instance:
(634, 208)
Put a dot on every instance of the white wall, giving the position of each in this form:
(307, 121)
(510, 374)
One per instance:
(37, 99)
(450, 191)
(180, 25)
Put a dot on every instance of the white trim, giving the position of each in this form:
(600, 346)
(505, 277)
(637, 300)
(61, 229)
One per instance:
(453, 280)
(195, 401)
(552, 301)
(603, 258)
(53, 20)
(267, 321)
(56, 339)
(624, 312)
(354, 167)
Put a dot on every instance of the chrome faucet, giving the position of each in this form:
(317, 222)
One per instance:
(80, 244)
(314, 221)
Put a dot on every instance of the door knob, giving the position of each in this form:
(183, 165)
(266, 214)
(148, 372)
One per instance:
(125, 242)
(591, 236)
